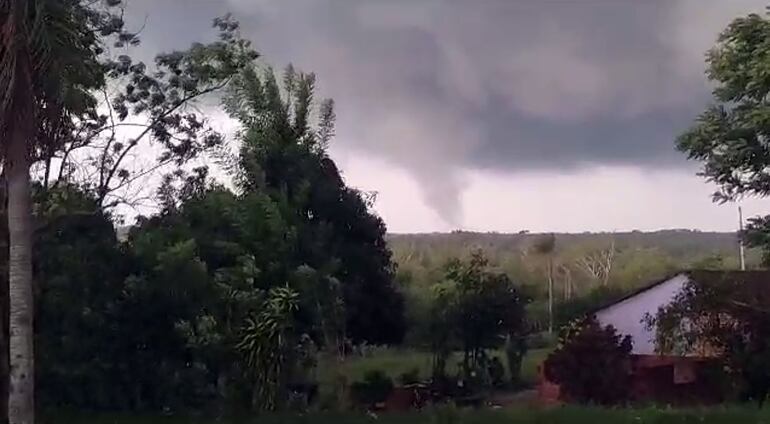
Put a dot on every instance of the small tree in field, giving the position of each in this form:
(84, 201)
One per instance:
(546, 246)
(591, 363)
(476, 309)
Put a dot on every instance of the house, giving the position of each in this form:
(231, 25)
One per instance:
(669, 379)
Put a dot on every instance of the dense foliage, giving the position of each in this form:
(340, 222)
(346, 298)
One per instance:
(730, 137)
(591, 363)
(724, 317)
(476, 309)
(222, 299)
(336, 235)
(730, 318)
(374, 389)
(589, 270)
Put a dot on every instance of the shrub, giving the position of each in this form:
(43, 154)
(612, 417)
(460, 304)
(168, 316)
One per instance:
(496, 372)
(591, 363)
(725, 314)
(515, 349)
(410, 377)
(374, 389)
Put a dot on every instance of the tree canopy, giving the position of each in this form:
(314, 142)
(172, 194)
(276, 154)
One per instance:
(476, 309)
(725, 317)
(730, 137)
(217, 296)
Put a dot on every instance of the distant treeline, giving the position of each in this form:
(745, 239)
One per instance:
(587, 268)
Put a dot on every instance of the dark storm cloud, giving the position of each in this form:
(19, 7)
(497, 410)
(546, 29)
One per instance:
(512, 85)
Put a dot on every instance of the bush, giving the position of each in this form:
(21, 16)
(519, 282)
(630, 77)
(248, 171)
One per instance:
(410, 377)
(375, 388)
(336, 396)
(497, 372)
(591, 363)
(515, 349)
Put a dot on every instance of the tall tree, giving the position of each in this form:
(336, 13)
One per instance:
(48, 64)
(18, 112)
(144, 108)
(283, 154)
(597, 263)
(731, 136)
(545, 246)
(51, 68)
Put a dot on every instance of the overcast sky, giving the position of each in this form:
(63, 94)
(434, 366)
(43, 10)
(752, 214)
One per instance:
(498, 115)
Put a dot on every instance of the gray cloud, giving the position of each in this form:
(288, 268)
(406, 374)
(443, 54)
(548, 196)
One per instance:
(437, 87)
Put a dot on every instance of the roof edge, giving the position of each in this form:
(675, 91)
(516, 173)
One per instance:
(638, 291)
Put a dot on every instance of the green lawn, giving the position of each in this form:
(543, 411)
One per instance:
(564, 415)
(395, 362)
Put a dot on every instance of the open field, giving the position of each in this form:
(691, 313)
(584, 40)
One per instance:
(395, 362)
(565, 415)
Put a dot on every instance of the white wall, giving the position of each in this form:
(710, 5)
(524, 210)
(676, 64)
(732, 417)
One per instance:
(627, 316)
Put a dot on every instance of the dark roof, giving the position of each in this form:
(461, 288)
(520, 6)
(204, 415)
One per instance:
(758, 281)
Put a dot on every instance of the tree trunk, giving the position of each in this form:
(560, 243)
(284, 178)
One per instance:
(4, 370)
(567, 283)
(21, 406)
(550, 295)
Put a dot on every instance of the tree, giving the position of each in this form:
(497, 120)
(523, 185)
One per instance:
(477, 309)
(79, 273)
(757, 234)
(730, 137)
(179, 292)
(240, 247)
(53, 64)
(725, 318)
(597, 264)
(284, 156)
(48, 64)
(144, 108)
(18, 112)
(573, 365)
(545, 246)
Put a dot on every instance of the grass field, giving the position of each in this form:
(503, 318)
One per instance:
(565, 415)
(395, 362)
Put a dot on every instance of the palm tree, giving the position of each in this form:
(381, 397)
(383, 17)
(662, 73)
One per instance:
(17, 119)
(545, 246)
(48, 64)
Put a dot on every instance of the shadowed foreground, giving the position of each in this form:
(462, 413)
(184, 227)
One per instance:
(571, 415)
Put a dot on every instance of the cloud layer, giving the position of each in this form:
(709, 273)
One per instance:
(442, 87)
